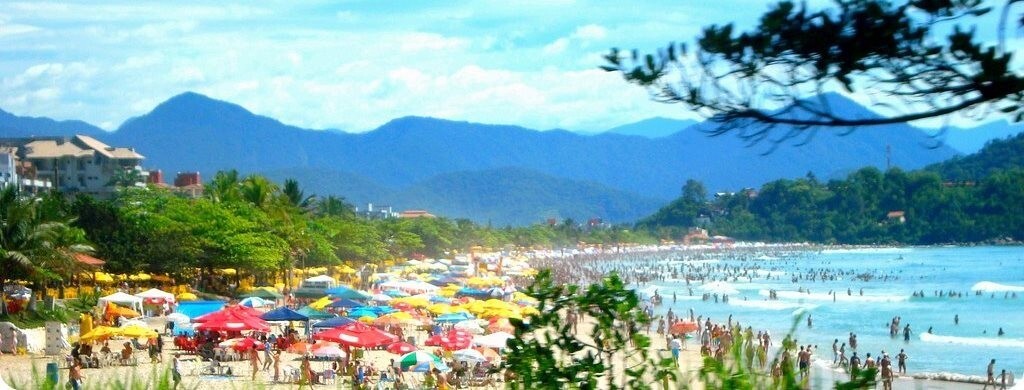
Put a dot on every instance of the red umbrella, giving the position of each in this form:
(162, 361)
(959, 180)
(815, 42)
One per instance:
(683, 327)
(242, 344)
(401, 348)
(357, 334)
(228, 313)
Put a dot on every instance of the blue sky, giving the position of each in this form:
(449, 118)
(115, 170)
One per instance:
(350, 65)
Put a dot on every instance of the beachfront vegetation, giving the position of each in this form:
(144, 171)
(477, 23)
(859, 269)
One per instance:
(925, 59)
(868, 207)
(247, 223)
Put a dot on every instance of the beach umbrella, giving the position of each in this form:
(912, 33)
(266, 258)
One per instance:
(284, 314)
(328, 351)
(682, 327)
(357, 335)
(264, 293)
(135, 331)
(187, 296)
(362, 313)
(412, 359)
(396, 293)
(400, 348)
(501, 325)
(178, 318)
(345, 303)
(333, 322)
(100, 333)
(255, 302)
(381, 298)
(488, 353)
(347, 292)
(314, 314)
(496, 340)
(300, 348)
(321, 303)
(471, 326)
(429, 366)
(242, 344)
(469, 356)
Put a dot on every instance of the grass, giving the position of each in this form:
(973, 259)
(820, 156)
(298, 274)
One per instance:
(26, 319)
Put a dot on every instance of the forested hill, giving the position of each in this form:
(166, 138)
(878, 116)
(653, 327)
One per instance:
(976, 198)
(994, 156)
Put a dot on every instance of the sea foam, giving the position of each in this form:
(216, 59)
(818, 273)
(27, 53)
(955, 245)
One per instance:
(973, 341)
(839, 297)
(771, 305)
(987, 286)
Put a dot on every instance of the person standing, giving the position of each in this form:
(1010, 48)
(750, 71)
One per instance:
(835, 352)
(901, 360)
(991, 375)
(906, 333)
(254, 362)
(176, 370)
(75, 374)
(267, 357)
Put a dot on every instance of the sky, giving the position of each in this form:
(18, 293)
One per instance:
(348, 65)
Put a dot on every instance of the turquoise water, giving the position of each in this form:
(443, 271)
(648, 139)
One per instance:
(965, 348)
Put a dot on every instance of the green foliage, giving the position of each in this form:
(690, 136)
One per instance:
(856, 210)
(994, 156)
(547, 354)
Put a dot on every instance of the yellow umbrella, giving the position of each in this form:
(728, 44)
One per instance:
(321, 303)
(100, 333)
(85, 324)
(103, 277)
(228, 271)
(187, 296)
(366, 320)
(346, 269)
(135, 331)
(439, 308)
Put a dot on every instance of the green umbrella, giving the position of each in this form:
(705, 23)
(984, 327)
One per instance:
(314, 314)
(263, 293)
(415, 358)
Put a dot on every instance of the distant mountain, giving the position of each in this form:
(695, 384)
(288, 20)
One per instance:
(22, 126)
(996, 155)
(656, 127)
(971, 140)
(520, 196)
(193, 132)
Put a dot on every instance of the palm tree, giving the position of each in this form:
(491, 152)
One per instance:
(223, 187)
(258, 190)
(32, 245)
(335, 206)
(296, 197)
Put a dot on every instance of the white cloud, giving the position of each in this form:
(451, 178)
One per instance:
(590, 32)
(187, 74)
(556, 47)
(11, 29)
(433, 42)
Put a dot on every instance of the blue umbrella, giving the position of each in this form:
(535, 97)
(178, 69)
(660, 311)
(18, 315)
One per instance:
(362, 313)
(314, 313)
(453, 317)
(378, 310)
(444, 281)
(347, 292)
(396, 293)
(471, 292)
(439, 299)
(345, 303)
(333, 322)
(284, 314)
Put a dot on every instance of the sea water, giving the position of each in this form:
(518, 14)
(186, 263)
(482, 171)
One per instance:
(964, 348)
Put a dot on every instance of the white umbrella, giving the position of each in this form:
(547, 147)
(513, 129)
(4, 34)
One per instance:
(469, 356)
(493, 340)
(329, 351)
(471, 326)
(380, 298)
(178, 318)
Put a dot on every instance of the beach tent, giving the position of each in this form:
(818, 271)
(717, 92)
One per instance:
(333, 322)
(156, 294)
(120, 298)
(357, 335)
(284, 314)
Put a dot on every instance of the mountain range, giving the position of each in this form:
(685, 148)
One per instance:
(498, 173)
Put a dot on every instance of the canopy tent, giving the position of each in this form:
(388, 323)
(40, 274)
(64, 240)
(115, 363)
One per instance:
(284, 314)
(357, 335)
(156, 294)
(333, 322)
(120, 298)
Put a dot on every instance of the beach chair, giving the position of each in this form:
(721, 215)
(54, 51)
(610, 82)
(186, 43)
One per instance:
(329, 376)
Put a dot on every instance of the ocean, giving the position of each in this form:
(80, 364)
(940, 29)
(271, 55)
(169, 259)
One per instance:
(889, 278)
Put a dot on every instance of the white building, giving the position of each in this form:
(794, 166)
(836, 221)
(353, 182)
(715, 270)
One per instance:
(79, 164)
(8, 167)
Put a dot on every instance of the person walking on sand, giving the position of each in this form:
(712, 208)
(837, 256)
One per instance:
(75, 375)
(176, 370)
(254, 362)
(991, 375)
(675, 345)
